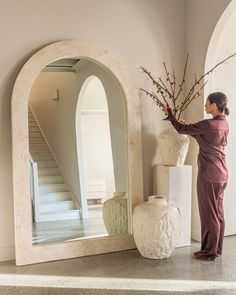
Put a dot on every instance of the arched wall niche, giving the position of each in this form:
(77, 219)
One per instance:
(220, 46)
(25, 252)
(219, 28)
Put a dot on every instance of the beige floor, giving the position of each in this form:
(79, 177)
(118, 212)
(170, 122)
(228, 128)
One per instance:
(125, 273)
(67, 230)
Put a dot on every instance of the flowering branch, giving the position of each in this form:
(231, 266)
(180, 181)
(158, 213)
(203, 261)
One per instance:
(167, 93)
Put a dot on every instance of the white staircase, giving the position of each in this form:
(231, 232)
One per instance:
(55, 200)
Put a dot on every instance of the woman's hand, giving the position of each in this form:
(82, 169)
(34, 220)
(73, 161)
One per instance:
(181, 121)
(165, 109)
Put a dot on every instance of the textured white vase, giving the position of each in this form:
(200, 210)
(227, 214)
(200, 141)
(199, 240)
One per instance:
(115, 214)
(173, 147)
(156, 227)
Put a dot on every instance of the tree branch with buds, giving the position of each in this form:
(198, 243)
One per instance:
(166, 93)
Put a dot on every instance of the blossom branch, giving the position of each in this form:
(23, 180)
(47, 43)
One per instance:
(194, 96)
(154, 81)
(188, 96)
(183, 79)
(168, 78)
(154, 97)
(170, 94)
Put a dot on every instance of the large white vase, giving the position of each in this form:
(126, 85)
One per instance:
(173, 147)
(156, 227)
(115, 214)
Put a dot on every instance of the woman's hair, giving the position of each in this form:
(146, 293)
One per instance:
(220, 99)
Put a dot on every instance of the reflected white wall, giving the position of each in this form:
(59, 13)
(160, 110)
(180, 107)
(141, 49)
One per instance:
(56, 119)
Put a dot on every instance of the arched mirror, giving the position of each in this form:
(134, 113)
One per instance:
(76, 154)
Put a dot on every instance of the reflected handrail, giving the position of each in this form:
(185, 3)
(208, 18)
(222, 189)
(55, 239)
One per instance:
(34, 188)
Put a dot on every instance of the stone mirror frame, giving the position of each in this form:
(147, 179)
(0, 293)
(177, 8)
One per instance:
(26, 253)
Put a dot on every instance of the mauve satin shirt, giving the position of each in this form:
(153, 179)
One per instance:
(211, 136)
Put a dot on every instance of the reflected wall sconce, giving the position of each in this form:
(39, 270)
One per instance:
(56, 95)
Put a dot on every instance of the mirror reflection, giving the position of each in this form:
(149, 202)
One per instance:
(77, 153)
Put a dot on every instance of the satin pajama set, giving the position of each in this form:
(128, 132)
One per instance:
(211, 136)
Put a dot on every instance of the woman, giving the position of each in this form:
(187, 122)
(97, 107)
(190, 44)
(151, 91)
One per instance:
(211, 136)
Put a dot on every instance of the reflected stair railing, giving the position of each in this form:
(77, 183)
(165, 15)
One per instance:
(34, 188)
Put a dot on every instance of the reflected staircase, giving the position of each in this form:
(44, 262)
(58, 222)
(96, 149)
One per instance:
(56, 201)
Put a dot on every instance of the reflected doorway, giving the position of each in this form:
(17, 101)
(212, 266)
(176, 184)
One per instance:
(94, 147)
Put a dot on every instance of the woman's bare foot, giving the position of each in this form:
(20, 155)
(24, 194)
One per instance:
(202, 255)
(198, 253)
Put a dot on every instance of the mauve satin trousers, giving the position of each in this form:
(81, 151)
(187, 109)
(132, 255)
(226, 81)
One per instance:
(210, 202)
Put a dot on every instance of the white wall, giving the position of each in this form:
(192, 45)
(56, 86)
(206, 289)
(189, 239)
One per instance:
(96, 148)
(224, 80)
(57, 121)
(93, 96)
(201, 19)
(138, 32)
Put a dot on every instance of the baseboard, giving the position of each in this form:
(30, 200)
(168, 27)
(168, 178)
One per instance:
(7, 253)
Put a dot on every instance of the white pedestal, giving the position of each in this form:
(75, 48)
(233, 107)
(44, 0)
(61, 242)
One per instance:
(175, 182)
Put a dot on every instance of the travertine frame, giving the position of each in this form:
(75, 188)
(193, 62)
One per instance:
(26, 253)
